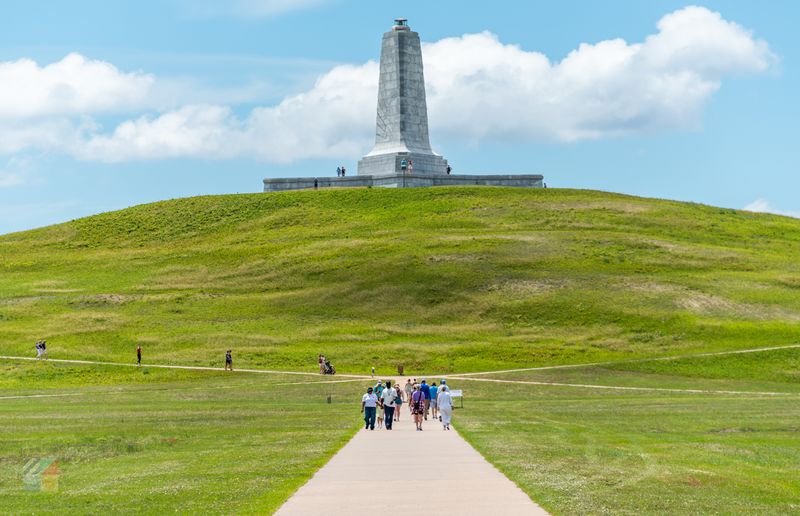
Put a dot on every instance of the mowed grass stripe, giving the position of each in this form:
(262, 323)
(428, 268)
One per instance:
(633, 361)
(623, 388)
(173, 366)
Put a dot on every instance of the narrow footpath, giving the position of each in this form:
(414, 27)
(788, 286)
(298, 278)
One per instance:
(404, 471)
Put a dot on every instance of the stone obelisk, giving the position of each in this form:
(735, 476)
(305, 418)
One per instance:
(401, 136)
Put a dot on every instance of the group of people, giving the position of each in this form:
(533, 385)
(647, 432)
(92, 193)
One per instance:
(325, 366)
(383, 403)
(41, 349)
(341, 171)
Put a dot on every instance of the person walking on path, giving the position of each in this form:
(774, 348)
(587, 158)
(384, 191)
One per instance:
(426, 391)
(229, 360)
(409, 388)
(369, 404)
(388, 396)
(417, 404)
(322, 364)
(398, 401)
(445, 403)
(44, 349)
(139, 355)
(379, 394)
(38, 349)
(434, 412)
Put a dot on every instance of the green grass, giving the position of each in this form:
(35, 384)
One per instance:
(587, 451)
(163, 441)
(444, 279)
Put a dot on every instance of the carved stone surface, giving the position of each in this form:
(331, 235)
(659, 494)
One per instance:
(401, 128)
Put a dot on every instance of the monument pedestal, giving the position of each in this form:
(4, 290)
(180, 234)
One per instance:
(426, 164)
(401, 180)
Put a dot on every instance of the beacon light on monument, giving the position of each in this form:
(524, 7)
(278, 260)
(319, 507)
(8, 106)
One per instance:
(402, 156)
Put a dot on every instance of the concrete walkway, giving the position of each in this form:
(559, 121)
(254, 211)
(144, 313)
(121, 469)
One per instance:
(404, 471)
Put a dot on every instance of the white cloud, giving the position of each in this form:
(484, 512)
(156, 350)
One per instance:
(764, 206)
(73, 86)
(332, 119)
(478, 89)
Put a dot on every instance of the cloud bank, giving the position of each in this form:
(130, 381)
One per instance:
(479, 89)
(764, 206)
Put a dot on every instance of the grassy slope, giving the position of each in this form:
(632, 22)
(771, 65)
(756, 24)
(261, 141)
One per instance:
(446, 279)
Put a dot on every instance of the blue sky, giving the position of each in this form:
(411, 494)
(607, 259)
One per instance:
(177, 98)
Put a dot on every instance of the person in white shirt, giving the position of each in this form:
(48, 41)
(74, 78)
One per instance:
(445, 403)
(388, 396)
(369, 404)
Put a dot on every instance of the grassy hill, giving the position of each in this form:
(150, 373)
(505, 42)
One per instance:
(444, 279)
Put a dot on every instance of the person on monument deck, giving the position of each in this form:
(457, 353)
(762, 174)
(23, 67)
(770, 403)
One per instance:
(403, 165)
(338, 171)
(449, 170)
(344, 171)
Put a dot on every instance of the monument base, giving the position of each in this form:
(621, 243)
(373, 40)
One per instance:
(403, 181)
(380, 164)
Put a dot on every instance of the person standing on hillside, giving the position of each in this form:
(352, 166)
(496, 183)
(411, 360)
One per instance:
(229, 360)
(388, 396)
(426, 391)
(445, 403)
(322, 364)
(434, 412)
(417, 405)
(44, 349)
(369, 404)
(139, 355)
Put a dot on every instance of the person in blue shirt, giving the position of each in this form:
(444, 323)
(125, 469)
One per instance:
(434, 407)
(426, 391)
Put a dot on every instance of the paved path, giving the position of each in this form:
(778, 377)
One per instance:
(403, 471)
